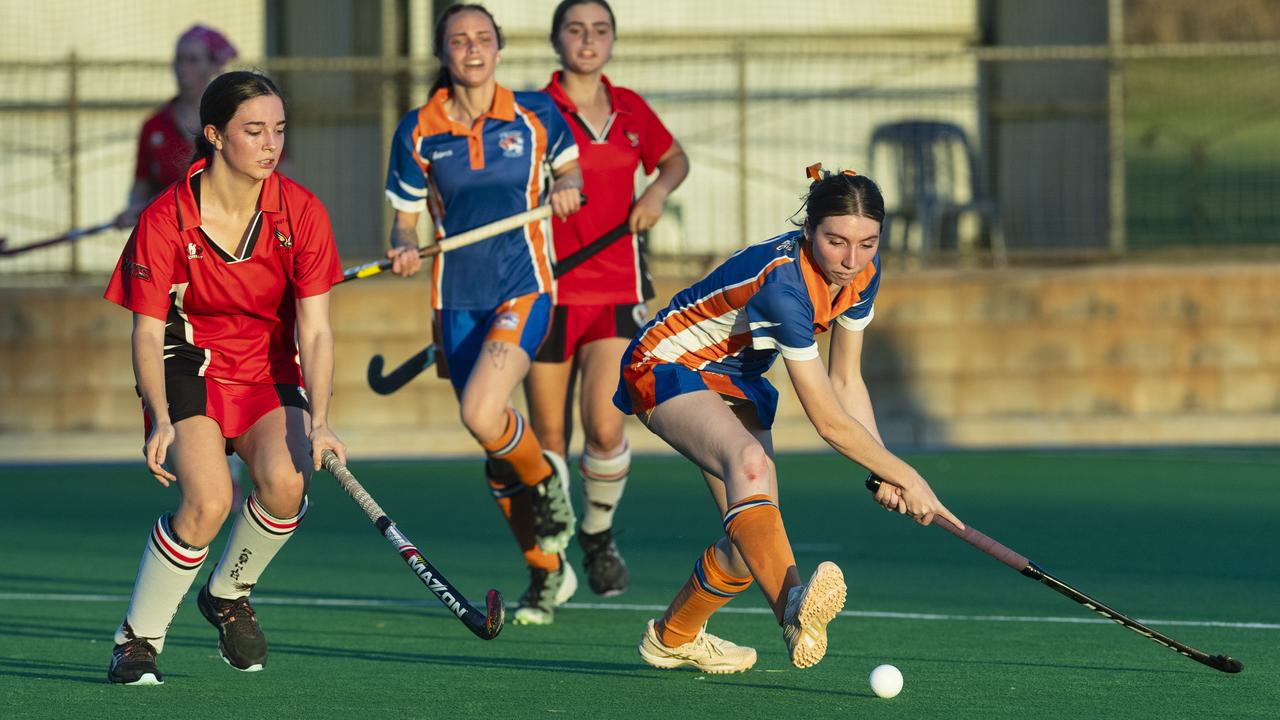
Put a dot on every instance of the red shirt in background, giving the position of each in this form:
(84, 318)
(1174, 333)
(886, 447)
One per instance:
(608, 158)
(163, 150)
(230, 318)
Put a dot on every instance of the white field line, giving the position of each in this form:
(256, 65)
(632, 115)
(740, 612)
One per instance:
(875, 614)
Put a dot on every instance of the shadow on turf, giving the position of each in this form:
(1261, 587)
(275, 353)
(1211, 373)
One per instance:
(43, 670)
(1021, 663)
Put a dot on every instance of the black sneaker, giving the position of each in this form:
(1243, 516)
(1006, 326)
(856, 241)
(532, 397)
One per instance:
(240, 640)
(606, 571)
(134, 663)
(553, 517)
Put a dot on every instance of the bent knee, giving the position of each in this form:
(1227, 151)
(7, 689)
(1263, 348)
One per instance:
(483, 422)
(755, 467)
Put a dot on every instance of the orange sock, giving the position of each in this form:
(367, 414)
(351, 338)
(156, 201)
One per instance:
(754, 525)
(708, 589)
(509, 494)
(518, 447)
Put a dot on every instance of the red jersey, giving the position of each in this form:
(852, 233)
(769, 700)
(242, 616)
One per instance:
(608, 157)
(163, 150)
(228, 317)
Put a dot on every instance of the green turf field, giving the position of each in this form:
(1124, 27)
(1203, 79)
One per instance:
(1187, 537)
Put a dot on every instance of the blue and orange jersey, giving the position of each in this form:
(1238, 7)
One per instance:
(766, 300)
(469, 176)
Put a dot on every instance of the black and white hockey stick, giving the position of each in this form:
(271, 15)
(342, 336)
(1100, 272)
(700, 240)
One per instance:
(486, 625)
(1225, 663)
(411, 368)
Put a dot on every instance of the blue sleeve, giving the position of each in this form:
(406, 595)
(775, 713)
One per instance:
(859, 316)
(406, 181)
(561, 147)
(781, 318)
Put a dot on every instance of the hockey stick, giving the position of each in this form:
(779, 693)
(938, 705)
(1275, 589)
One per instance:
(470, 237)
(411, 368)
(1225, 663)
(485, 625)
(71, 236)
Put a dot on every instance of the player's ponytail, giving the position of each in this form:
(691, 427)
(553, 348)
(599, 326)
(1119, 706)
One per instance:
(843, 193)
(443, 78)
(223, 98)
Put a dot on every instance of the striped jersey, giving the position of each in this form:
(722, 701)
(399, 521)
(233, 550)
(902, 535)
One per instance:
(470, 176)
(767, 299)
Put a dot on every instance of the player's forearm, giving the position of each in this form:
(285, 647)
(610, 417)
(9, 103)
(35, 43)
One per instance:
(672, 171)
(316, 350)
(856, 401)
(148, 371)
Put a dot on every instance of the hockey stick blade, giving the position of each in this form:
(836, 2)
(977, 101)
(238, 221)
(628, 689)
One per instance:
(1224, 663)
(486, 625)
(399, 377)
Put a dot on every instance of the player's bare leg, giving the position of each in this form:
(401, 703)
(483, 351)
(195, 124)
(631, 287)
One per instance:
(604, 467)
(542, 488)
(694, 425)
(277, 453)
(175, 550)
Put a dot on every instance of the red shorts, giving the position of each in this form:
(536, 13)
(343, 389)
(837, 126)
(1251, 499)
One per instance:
(573, 326)
(235, 407)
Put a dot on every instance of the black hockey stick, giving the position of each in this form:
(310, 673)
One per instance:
(485, 625)
(1225, 663)
(411, 368)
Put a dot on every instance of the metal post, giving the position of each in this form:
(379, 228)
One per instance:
(740, 57)
(1115, 126)
(390, 112)
(73, 150)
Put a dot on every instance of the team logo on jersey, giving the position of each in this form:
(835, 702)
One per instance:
(785, 245)
(436, 155)
(507, 321)
(634, 137)
(129, 267)
(639, 314)
(285, 241)
(512, 143)
(194, 251)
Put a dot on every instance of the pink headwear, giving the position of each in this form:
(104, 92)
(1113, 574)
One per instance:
(219, 47)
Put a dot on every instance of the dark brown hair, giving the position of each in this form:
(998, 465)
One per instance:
(557, 17)
(843, 193)
(443, 79)
(224, 96)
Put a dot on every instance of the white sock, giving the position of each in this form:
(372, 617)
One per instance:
(603, 480)
(165, 574)
(256, 537)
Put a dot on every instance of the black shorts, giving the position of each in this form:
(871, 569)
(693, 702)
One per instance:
(573, 326)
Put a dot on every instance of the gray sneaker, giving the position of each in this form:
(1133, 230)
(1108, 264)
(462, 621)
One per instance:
(548, 590)
(553, 517)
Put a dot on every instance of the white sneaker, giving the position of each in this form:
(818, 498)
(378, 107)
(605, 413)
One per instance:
(547, 591)
(706, 652)
(809, 608)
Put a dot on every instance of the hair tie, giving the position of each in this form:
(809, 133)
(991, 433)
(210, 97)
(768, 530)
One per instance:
(814, 172)
(850, 173)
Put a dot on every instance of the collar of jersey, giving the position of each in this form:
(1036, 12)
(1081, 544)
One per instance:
(820, 294)
(435, 119)
(189, 209)
(561, 98)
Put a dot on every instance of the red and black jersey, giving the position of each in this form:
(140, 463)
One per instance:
(227, 317)
(608, 157)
